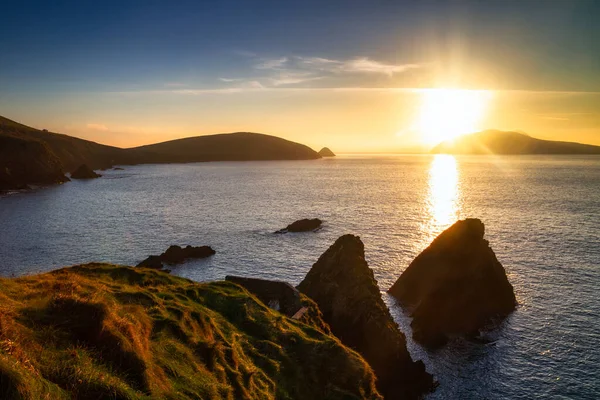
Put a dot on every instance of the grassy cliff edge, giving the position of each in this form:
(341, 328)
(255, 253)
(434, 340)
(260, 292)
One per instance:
(99, 331)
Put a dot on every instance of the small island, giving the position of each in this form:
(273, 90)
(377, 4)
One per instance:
(325, 152)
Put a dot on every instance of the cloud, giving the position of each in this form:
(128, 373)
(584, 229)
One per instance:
(316, 65)
(272, 63)
(292, 78)
(374, 67)
(97, 127)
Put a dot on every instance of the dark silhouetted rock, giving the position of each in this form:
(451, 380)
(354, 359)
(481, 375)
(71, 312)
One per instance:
(343, 286)
(176, 255)
(84, 172)
(154, 262)
(456, 286)
(118, 169)
(302, 225)
(325, 152)
(278, 295)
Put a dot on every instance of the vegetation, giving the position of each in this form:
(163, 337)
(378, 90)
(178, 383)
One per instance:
(101, 331)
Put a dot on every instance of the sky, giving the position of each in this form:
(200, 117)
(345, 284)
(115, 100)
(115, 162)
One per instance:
(356, 76)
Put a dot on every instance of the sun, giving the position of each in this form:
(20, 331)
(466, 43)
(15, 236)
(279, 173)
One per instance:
(448, 113)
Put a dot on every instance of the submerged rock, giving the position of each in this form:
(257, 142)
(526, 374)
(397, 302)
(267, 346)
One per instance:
(343, 286)
(456, 286)
(278, 295)
(176, 255)
(84, 172)
(302, 225)
(325, 152)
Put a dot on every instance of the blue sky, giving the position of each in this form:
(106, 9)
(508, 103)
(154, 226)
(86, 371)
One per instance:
(61, 57)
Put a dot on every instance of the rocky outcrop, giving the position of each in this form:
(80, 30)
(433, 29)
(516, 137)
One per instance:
(84, 172)
(177, 255)
(278, 295)
(343, 286)
(456, 286)
(325, 152)
(302, 225)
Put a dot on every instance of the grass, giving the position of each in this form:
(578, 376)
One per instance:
(101, 331)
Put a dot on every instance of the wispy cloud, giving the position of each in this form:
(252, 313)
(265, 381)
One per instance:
(275, 63)
(97, 127)
(295, 71)
(332, 66)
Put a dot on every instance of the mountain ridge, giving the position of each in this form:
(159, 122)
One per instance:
(493, 141)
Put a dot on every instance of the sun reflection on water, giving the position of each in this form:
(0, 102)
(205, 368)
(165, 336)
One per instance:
(444, 189)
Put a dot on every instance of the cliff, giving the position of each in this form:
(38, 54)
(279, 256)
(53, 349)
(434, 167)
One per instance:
(24, 161)
(102, 331)
(501, 142)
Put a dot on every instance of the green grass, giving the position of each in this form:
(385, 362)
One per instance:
(101, 331)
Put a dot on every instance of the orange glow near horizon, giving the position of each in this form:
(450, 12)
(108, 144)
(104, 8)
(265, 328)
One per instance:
(446, 114)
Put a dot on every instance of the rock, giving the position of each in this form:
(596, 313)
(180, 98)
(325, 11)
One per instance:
(176, 255)
(154, 262)
(302, 225)
(84, 172)
(118, 169)
(278, 295)
(343, 286)
(456, 286)
(325, 152)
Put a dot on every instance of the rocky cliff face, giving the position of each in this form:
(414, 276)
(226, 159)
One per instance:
(455, 286)
(24, 161)
(343, 286)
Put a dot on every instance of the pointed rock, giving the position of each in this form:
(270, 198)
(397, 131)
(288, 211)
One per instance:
(456, 286)
(343, 286)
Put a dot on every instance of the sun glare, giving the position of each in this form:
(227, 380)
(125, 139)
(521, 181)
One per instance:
(448, 113)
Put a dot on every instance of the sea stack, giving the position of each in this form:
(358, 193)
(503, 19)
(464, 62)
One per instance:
(455, 287)
(84, 172)
(344, 288)
(325, 152)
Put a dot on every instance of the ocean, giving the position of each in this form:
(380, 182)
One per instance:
(542, 218)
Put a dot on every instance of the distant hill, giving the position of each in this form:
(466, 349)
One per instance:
(503, 142)
(33, 156)
(239, 146)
